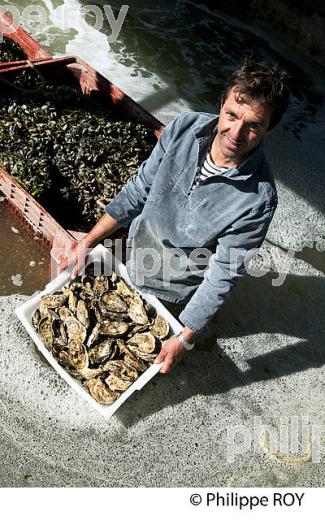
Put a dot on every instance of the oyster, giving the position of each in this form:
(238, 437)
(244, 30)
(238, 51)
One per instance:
(115, 366)
(93, 336)
(64, 358)
(59, 333)
(72, 300)
(46, 331)
(75, 329)
(137, 313)
(100, 285)
(160, 327)
(86, 283)
(135, 363)
(99, 391)
(89, 373)
(126, 293)
(115, 383)
(113, 316)
(36, 318)
(82, 313)
(78, 354)
(144, 342)
(113, 328)
(103, 351)
(63, 312)
(51, 301)
(113, 302)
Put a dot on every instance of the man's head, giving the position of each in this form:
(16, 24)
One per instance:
(252, 104)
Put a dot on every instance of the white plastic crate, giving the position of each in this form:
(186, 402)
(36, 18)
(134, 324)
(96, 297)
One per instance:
(25, 312)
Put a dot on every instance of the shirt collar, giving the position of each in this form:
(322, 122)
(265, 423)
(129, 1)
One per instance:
(206, 132)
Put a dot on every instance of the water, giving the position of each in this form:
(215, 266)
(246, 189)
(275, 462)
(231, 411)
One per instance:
(24, 261)
(171, 56)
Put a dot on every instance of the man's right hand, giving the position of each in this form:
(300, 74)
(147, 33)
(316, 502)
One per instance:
(76, 255)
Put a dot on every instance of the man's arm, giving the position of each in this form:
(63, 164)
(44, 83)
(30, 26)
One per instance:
(226, 267)
(132, 197)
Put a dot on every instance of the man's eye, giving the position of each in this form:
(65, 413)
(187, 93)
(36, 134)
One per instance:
(230, 114)
(254, 126)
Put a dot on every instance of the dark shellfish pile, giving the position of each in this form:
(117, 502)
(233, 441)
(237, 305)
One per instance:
(102, 332)
(10, 51)
(66, 149)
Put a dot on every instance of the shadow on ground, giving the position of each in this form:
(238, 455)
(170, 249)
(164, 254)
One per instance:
(290, 314)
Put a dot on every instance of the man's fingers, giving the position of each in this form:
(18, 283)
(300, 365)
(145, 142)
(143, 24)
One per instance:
(161, 356)
(167, 366)
(62, 261)
(74, 271)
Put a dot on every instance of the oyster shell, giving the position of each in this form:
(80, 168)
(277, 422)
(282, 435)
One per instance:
(72, 300)
(100, 285)
(113, 328)
(126, 293)
(89, 373)
(137, 313)
(103, 351)
(93, 336)
(36, 318)
(115, 383)
(99, 391)
(52, 301)
(46, 331)
(160, 327)
(59, 333)
(82, 314)
(135, 363)
(78, 354)
(63, 312)
(64, 359)
(75, 329)
(144, 342)
(113, 302)
(115, 366)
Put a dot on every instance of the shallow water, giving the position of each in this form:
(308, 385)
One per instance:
(171, 56)
(24, 261)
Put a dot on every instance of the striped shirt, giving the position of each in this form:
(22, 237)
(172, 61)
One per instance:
(208, 169)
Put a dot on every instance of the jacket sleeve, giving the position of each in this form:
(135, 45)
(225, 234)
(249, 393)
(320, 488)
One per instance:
(226, 266)
(130, 200)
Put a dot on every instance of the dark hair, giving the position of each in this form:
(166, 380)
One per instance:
(262, 82)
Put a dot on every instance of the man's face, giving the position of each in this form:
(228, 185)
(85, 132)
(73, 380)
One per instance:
(241, 127)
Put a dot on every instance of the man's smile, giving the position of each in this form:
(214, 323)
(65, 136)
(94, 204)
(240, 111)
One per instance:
(231, 144)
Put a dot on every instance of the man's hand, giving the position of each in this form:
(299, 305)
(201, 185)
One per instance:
(172, 352)
(76, 256)
(78, 251)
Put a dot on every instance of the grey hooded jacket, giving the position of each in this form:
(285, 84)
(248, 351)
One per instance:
(191, 245)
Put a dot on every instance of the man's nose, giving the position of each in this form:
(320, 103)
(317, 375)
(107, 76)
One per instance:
(237, 131)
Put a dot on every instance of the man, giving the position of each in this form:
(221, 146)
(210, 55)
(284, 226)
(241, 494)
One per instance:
(206, 187)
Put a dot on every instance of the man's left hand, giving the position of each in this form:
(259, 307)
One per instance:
(172, 352)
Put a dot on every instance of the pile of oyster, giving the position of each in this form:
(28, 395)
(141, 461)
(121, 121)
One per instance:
(10, 51)
(102, 332)
(66, 149)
